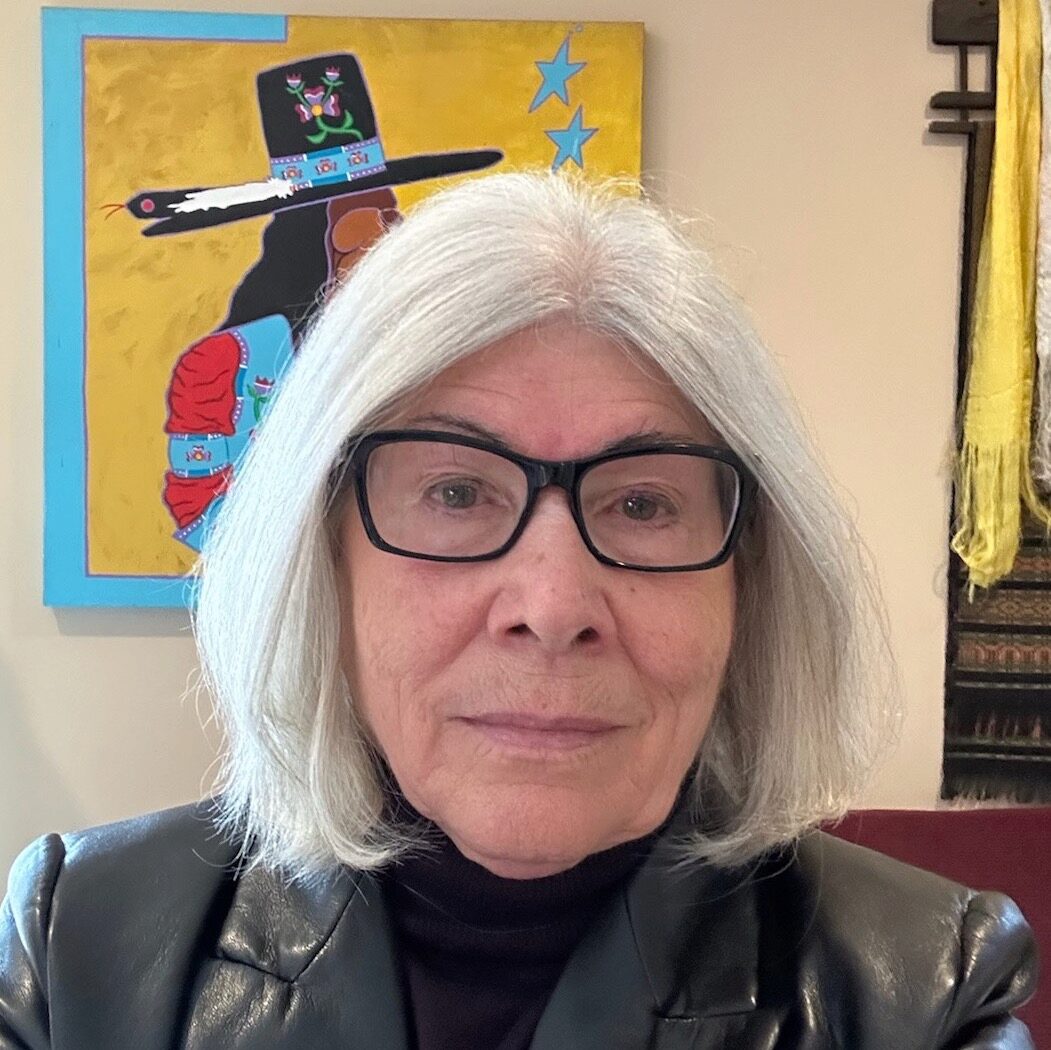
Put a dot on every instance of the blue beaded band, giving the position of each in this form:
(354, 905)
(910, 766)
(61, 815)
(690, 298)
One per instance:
(323, 166)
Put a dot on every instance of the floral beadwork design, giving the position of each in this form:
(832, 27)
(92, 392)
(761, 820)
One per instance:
(259, 391)
(318, 103)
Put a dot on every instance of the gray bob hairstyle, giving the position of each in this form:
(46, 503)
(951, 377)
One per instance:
(807, 701)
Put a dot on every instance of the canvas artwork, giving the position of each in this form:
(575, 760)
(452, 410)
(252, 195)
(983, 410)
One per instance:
(207, 180)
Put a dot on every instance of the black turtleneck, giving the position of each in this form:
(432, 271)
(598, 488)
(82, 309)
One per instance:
(481, 954)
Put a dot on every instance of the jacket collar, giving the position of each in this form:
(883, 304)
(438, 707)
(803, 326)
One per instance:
(697, 937)
(671, 962)
(331, 940)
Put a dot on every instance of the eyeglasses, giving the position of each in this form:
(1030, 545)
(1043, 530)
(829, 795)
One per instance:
(665, 507)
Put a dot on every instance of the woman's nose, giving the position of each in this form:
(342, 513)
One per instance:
(552, 594)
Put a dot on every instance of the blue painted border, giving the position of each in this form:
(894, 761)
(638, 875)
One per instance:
(67, 581)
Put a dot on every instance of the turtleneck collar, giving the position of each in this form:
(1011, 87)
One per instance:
(454, 916)
(444, 888)
(480, 954)
(469, 892)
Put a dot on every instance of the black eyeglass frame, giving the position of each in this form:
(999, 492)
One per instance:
(540, 473)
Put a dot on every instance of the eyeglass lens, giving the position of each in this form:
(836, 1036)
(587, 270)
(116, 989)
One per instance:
(447, 500)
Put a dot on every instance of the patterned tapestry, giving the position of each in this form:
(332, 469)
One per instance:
(998, 681)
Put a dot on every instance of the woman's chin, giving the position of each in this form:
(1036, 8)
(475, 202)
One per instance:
(511, 868)
(527, 832)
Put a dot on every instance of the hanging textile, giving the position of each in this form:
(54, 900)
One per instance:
(998, 682)
(998, 656)
(994, 458)
(1042, 429)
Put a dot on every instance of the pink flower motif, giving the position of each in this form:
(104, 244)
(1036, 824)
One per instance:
(324, 167)
(357, 158)
(294, 80)
(317, 104)
(332, 73)
(292, 173)
(263, 385)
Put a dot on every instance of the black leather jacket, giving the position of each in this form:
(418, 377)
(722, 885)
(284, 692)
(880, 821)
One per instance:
(137, 936)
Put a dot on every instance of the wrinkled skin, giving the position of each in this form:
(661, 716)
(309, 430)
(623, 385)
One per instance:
(545, 629)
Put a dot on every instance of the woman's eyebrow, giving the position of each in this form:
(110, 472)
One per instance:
(461, 423)
(635, 439)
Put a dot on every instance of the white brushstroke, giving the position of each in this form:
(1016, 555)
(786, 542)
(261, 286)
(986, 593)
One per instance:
(228, 196)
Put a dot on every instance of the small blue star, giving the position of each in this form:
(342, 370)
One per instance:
(555, 74)
(570, 139)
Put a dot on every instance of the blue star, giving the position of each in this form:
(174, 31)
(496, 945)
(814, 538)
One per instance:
(569, 140)
(555, 74)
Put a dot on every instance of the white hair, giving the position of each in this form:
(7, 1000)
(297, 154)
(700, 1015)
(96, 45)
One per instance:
(808, 699)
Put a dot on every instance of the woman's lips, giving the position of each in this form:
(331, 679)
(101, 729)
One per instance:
(538, 733)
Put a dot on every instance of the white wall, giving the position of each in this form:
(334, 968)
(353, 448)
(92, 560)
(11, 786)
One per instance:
(799, 130)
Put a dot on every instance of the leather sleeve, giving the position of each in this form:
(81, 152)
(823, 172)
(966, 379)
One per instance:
(24, 932)
(997, 974)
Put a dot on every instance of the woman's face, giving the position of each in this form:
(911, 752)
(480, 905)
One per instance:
(438, 653)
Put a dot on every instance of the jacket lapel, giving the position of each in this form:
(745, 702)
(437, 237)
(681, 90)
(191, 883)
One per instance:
(670, 965)
(303, 966)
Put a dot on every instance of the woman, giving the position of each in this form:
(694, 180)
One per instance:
(541, 646)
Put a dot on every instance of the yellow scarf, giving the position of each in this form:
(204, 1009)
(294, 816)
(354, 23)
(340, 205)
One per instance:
(994, 474)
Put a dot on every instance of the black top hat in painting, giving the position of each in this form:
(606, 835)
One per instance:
(321, 134)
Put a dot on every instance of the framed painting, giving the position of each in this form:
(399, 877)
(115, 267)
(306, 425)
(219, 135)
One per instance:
(207, 178)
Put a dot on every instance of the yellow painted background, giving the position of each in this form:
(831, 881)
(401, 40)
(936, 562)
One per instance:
(171, 114)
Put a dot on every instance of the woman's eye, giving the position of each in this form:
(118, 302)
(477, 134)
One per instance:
(455, 495)
(644, 507)
(458, 496)
(641, 508)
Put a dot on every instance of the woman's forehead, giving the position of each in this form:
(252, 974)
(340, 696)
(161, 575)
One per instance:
(556, 387)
